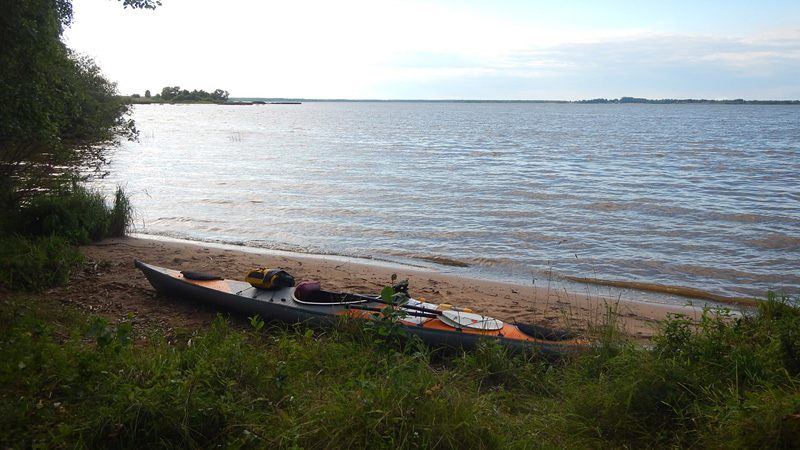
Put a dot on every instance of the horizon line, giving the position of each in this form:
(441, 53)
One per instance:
(624, 99)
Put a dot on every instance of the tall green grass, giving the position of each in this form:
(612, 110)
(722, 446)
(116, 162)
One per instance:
(32, 264)
(37, 247)
(80, 382)
(79, 214)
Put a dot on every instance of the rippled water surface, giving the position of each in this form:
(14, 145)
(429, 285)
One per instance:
(698, 196)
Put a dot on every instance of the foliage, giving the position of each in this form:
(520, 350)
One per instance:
(78, 214)
(58, 113)
(141, 4)
(58, 117)
(38, 248)
(79, 382)
(725, 381)
(690, 101)
(385, 326)
(33, 264)
(174, 94)
(115, 339)
(120, 217)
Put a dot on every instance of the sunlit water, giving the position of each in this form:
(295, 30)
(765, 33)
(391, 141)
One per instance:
(698, 196)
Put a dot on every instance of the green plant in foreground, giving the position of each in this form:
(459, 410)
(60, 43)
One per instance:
(33, 264)
(116, 339)
(69, 381)
(711, 384)
(257, 322)
(385, 325)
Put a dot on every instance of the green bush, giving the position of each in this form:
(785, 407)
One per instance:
(38, 251)
(781, 316)
(79, 214)
(725, 381)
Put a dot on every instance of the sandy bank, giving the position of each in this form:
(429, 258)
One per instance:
(111, 286)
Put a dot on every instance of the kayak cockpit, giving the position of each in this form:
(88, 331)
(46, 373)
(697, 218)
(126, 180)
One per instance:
(311, 293)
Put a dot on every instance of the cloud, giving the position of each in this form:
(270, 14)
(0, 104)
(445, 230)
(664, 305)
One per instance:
(658, 65)
(401, 49)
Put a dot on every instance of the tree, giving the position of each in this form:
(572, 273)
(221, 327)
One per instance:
(174, 94)
(170, 92)
(58, 114)
(141, 4)
(220, 95)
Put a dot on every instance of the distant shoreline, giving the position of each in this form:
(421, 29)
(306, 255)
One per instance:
(624, 100)
(596, 101)
(139, 101)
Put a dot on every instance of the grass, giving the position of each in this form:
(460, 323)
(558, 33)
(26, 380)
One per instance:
(37, 247)
(76, 213)
(34, 264)
(76, 381)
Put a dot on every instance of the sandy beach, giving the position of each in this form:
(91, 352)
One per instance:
(112, 287)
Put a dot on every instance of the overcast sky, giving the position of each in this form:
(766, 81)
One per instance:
(449, 49)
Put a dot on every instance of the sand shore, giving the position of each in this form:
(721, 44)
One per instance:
(112, 287)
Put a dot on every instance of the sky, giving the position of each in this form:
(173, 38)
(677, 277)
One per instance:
(448, 49)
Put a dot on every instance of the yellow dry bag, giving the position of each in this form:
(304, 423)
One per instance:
(269, 278)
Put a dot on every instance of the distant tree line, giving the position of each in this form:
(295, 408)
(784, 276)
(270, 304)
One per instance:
(737, 101)
(174, 94)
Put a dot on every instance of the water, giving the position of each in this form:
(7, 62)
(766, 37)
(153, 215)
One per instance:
(698, 196)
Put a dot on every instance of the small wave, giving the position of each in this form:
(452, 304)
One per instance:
(608, 206)
(443, 261)
(211, 201)
(775, 241)
(177, 220)
(680, 291)
(743, 218)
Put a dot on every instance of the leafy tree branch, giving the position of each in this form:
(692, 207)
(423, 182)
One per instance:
(59, 114)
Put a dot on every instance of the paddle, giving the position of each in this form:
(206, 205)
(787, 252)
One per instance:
(434, 312)
(375, 309)
(397, 296)
(390, 293)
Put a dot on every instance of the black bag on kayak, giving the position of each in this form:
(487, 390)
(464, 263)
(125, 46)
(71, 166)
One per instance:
(269, 279)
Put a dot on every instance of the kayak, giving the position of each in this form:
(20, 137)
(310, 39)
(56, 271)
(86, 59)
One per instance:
(435, 325)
